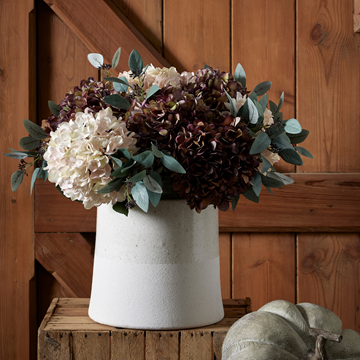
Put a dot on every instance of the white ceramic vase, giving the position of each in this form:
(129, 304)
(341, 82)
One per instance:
(157, 270)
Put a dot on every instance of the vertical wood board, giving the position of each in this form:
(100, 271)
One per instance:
(128, 345)
(263, 267)
(328, 90)
(225, 264)
(197, 33)
(263, 42)
(54, 346)
(91, 345)
(162, 345)
(329, 274)
(16, 209)
(196, 345)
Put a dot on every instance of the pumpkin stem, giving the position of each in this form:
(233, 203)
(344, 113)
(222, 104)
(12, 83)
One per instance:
(322, 336)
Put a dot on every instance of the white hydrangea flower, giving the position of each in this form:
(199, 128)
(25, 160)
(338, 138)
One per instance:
(78, 156)
(268, 118)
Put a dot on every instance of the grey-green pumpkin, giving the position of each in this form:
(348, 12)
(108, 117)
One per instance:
(280, 330)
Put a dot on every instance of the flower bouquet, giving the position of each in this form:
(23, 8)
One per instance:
(149, 133)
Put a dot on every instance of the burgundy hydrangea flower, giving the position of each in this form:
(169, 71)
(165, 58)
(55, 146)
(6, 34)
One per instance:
(90, 94)
(194, 126)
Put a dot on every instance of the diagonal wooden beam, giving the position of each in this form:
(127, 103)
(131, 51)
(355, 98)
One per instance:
(103, 28)
(68, 258)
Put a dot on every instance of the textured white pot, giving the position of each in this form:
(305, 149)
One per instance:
(157, 270)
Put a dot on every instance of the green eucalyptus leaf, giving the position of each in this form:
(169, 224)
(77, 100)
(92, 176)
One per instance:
(155, 197)
(116, 58)
(269, 190)
(146, 158)
(299, 138)
(273, 107)
(253, 112)
(17, 155)
(282, 142)
(170, 163)
(207, 66)
(35, 130)
(285, 179)
(250, 195)
(240, 75)
(117, 101)
(29, 143)
(233, 110)
(253, 96)
(304, 152)
(262, 142)
(281, 101)
(121, 208)
(234, 202)
(292, 126)
(54, 108)
(16, 179)
(123, 153)
(110, 187)
(138, 177)
(260, 112)
(117, 161)
(156, 151)
(262, 88)
(33, 178)
(278, 116)
(124, 170)
(121, 87)
(291, 156)
(152, 185)
(96, 60)
(257, 184)
(266, 164)
(263, 102)
(154, 89)
(271, 181)
(135, 62)
(140, 195)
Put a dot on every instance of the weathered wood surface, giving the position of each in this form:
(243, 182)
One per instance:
(128, 345)
(267, 51)
(357, 16)
(328, 84)
(69, 260)
(197, 33)
(196, 345)
(315, 202)
(264, 267)
(329, 274)
(16, 209)
(67, 329)
(112, 30)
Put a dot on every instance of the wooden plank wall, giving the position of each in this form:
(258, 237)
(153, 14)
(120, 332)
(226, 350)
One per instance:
(302, 244)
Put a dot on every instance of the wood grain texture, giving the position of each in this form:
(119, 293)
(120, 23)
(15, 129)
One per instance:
(128, 345)
(264, 267)
(329, 274)
(196, 345)
(50, 203)
(112, 30)
(225, 264)
(218, 340)
(328, 84)
(91, 345)
(357, 16)
(16, 209)
(54, 346)
(162, 345)
(197, 33)
(146, 15)
(62, 60)
(315, 202)
(68, 258)
(263, 42)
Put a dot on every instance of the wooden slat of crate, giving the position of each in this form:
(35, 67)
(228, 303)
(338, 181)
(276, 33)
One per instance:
(67, 329)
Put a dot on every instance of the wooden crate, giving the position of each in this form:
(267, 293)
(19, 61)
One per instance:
(67, 333)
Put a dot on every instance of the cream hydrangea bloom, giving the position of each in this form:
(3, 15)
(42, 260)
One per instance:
(78, 156)
(239, 101)
(269, 156)
(268, 118)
